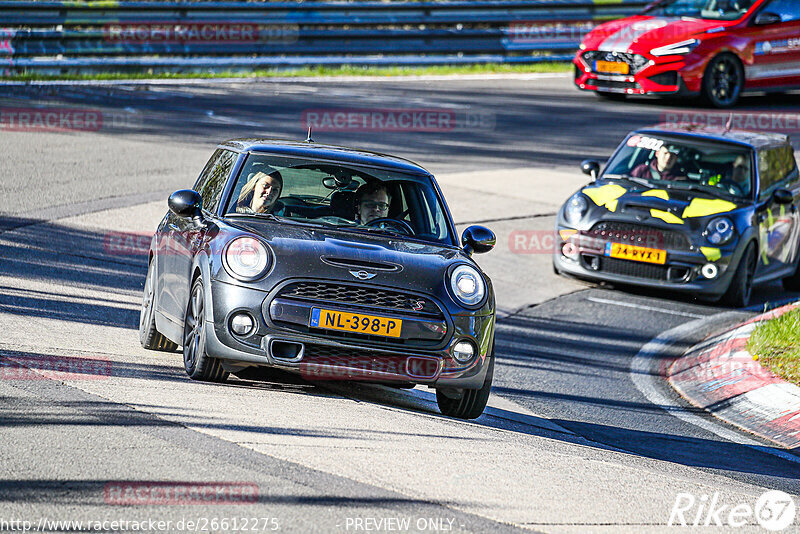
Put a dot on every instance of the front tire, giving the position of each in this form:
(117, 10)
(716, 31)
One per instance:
(741, 288)
(149, 336)
(198, 364)
(723, 81)
(471, 402)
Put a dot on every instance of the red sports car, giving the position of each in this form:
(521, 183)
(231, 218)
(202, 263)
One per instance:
(714, 48)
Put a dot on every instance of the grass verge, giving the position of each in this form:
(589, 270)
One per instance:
(776, 344)
(345, 70)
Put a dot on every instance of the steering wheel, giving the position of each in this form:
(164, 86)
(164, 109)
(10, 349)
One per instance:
(382, 222)
(731, 187)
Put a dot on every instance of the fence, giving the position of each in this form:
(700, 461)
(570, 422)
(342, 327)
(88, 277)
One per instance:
(59, 37)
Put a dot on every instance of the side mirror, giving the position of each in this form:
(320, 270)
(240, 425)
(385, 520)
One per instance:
(590, 167)
(766, 17)
(186, 203)
(478, 239)
(783, 196)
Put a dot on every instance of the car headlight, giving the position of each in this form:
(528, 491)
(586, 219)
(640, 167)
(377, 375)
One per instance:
(246, 258)
(467, 285)
(719, 231)
(575, 208)
(676, 49)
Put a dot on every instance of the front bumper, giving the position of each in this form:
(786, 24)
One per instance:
(671, 75)
(681, 272)
(319, 355)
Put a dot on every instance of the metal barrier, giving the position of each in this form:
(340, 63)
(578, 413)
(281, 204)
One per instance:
(58, 37)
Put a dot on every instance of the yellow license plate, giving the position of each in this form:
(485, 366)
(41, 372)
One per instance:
(355, 322)
(630, 252)
(612, 67)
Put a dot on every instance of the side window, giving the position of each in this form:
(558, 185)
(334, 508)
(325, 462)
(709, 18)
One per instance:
(789, 10)
(215, 175)
(207, 170)
(776, 166)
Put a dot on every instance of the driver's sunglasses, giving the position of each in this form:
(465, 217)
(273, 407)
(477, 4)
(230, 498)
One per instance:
(383, 206)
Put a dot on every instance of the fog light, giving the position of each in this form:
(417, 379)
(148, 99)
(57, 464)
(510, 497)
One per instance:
(463, 351)
(570, 251)
(242, 324)
(709, 270)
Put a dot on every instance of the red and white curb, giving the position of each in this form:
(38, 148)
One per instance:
(721, 377)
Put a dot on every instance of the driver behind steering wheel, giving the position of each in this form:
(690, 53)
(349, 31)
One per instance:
(372, 202)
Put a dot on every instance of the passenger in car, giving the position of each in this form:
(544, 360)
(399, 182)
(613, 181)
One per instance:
(260, 194)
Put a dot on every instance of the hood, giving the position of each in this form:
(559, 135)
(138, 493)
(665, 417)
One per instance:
(329, 254)
(675, 207)
(640, 34)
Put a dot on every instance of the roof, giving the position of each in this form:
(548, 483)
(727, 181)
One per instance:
(313, 150)
(757, 140)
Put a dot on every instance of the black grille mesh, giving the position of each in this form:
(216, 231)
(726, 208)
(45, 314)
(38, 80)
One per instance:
(360, 296)
(633, 268)
(639, 235)
(635, 61)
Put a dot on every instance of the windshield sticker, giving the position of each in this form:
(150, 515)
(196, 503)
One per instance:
(648, 143)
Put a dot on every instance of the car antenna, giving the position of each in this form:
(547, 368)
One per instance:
(308, 139)
(729, 124)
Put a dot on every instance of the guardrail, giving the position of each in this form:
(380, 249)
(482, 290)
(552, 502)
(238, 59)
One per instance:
(60, 37)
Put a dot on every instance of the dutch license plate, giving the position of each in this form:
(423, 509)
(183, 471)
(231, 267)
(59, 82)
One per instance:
(355, 322)
(630, 252)
(612, 67)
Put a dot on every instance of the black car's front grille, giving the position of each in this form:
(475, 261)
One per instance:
(362, 362)
(635, 61)
(639, 235)
(633, 268)
(359, 295)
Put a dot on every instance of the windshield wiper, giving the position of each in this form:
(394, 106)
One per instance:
(640, 181)
(708, 189)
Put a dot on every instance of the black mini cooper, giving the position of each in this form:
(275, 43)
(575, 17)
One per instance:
(705, 211)
(329, 262)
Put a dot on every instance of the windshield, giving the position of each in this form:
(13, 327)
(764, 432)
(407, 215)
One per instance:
(334, 195)
(675, 162)
(705, 9)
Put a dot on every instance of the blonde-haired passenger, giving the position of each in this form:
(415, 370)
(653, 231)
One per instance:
(260, 194)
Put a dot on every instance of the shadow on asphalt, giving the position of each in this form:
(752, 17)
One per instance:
(563, 348)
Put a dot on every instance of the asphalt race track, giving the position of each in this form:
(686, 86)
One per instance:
(582, 434)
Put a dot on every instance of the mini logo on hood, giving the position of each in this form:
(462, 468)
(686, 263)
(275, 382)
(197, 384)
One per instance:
(362, 275)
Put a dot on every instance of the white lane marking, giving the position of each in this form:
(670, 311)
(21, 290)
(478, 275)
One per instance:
(643, 376)
(646, 308)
